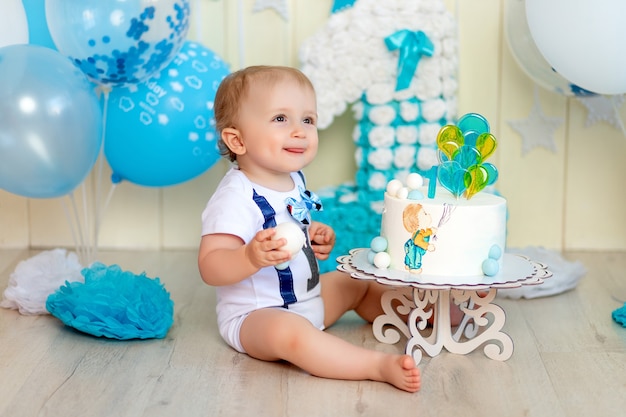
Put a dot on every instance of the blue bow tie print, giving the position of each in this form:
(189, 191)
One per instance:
(300, 210)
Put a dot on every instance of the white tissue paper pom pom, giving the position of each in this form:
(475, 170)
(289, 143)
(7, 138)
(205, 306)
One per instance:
(357, 110)
(405, 94)
(379, 93)
(381, 136)
(34, 279)
(433, 110)
(404, 156)
(406, 135)
(358, 157)
(382, 115)
(409, 111)
(428, 133)
(377, 181)
(380, 159)
(428, 89)
(450, 86)
(426, 158)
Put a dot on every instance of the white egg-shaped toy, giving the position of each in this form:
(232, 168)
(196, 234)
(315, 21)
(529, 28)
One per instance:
(294, 236)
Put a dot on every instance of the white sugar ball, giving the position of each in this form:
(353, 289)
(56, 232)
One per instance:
(402, 193)
(414, 180)
(393, 186)
(293, 234)
(382, 260)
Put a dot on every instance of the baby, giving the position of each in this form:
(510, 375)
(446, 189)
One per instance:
(272, 305)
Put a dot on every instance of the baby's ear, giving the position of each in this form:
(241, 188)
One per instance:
(232, 139)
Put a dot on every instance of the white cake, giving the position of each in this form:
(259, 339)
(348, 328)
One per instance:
(441, 236)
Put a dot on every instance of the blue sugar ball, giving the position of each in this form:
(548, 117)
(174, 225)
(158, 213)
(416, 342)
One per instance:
(378, 244)
(490, 267)
(370, 256)
(415, 195)
(495, 252)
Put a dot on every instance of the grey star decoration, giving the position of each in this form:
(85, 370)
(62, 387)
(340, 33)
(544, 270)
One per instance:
(604, 108)
(537, 130)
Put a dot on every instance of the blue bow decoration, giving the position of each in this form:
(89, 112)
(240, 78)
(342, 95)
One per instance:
(412, 46)
(300, 210)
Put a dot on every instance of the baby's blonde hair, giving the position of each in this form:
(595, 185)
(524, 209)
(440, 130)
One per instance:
(234, 89)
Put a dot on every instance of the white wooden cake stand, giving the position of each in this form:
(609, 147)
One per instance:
(418, 306)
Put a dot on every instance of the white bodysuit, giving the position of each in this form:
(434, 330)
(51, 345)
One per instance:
(241, 208)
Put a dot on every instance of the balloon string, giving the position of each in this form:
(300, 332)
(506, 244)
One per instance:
(76, 235)
(72, 228)
(98, 209)
(87, 223)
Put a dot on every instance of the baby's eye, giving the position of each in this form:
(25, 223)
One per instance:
(309, 120)
(280, 118)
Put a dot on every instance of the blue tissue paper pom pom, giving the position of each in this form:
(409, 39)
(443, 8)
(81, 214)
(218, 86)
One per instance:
(114, 303)
(619, 315)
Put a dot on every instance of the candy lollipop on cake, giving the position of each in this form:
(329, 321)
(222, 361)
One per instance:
(295, 238)
(463, 150)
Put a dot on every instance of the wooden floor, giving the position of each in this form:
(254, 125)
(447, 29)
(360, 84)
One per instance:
(569, 360)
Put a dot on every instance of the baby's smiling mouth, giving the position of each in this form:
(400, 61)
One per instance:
(295, 150)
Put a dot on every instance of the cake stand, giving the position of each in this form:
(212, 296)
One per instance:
(418, 306)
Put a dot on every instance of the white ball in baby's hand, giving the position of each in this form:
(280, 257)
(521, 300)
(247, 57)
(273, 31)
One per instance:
(293, 234)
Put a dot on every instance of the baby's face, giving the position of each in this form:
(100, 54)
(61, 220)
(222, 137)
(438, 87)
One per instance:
(278, 127)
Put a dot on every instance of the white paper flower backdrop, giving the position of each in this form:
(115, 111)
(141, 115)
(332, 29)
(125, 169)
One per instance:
(395, 62)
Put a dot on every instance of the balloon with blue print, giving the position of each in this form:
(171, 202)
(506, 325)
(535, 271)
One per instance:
(50, 122)
(118, 42)
(161, 132)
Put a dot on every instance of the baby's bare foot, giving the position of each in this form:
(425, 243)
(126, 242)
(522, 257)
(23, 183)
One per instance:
(401, 372)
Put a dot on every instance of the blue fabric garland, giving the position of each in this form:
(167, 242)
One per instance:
(115, 304)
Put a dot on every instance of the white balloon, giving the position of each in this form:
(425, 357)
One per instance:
(528, 56)
(13, 23)
(583, 40)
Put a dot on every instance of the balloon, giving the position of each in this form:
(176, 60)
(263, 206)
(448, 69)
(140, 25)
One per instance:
(451, 176)
(13, 24)
(527, 55)
(38, 32)
(582, 40)
(486, 145)
(449, 140)
(118, 42)
(161, 131)
(50, 122)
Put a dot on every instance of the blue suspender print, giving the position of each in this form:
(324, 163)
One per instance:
(285, 278)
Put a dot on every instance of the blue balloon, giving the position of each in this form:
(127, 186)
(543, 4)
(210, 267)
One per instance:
(50, 122)
(38, 33)
(162, 131)
(118, 42)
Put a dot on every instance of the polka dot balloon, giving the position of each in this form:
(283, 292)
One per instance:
(118, 42)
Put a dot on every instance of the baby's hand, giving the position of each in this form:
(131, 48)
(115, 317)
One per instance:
(262, 251)
(322, 240)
